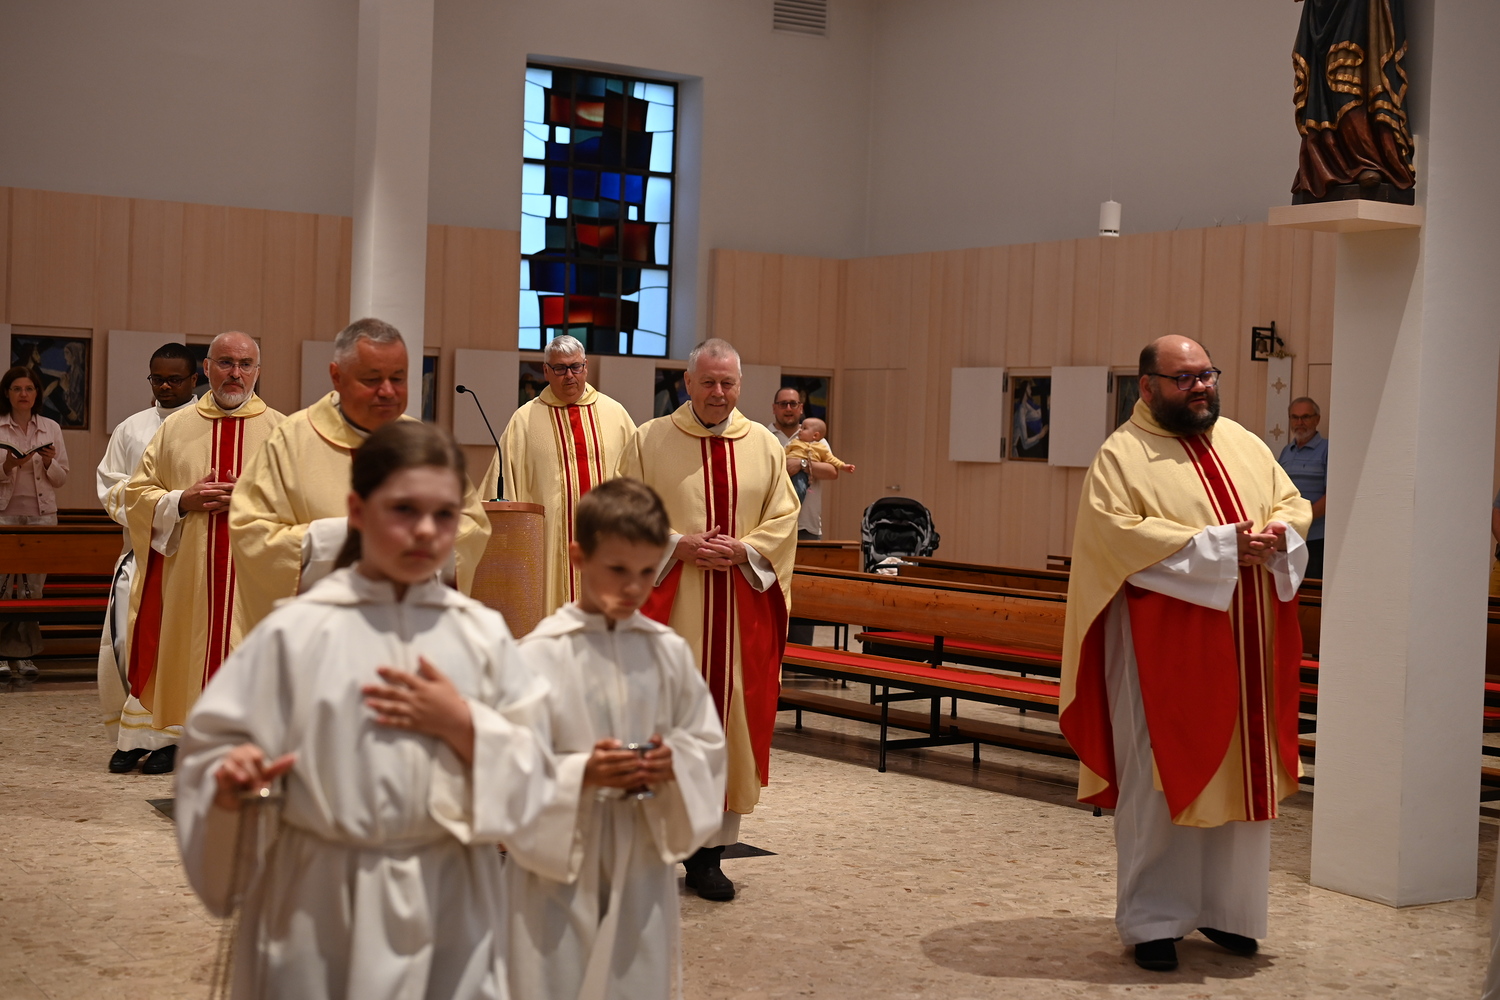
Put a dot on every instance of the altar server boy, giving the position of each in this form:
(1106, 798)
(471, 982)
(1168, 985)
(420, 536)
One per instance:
(640, 772)
(404, 721)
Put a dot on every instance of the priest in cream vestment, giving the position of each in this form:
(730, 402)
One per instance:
(725, 584)
(556, 448)
(1181, 657)
(174, 375)
(288, 517)
(184, 613)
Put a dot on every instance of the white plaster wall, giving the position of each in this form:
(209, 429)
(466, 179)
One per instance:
(246, 104)
(992, 120)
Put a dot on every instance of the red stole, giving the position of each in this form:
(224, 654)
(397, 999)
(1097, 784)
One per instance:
(227, 458)
(1200, 672)
(729, 601)
(581, 455)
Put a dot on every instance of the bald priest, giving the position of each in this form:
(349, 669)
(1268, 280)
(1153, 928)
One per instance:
(1181, 656)
(287, 520)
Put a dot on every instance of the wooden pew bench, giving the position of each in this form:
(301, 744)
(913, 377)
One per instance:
(967, 613)
(79, 559)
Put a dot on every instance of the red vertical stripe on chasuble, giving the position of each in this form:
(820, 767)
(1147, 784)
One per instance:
(145, 638)
(718, 592)
(228, 447)
(1248, 614)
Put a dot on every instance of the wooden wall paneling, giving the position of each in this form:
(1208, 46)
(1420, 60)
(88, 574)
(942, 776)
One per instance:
(764, 336)
(1109, 263)
(330, 276)
(1223, 289)
(52, 276)
(112, 267)
(281, 325)
(830, 312)
(1049, 344)
(202, 268)
(5, 242)
(991, 288)
(158, 245)
(458, 287)
(1020, 287)
(1086, 331)
(1158, 247)
(1130, 317)
(797, 330)
(434, 326)
(1184, 305)
(497, 293)
(244, 270)
(304, 254)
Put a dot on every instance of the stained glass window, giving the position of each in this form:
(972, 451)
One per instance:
(596, 210)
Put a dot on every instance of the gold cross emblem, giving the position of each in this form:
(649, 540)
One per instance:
(1278, 385)
(1276, 433)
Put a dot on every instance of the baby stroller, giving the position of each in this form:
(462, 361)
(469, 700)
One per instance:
(894, 527)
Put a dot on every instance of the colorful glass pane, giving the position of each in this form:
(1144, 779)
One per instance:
(596, 207)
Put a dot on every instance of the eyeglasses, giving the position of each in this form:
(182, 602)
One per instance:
(227, 365)
(173, 381)
(576, 367)
(787, 402)
(1209, 378)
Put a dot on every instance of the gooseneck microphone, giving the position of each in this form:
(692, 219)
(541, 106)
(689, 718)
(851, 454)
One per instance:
(500, 480)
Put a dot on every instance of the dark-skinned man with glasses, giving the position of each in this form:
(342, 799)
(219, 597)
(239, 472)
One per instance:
(556, 448)
(172, 379)
(185, 615)
(1181, 655)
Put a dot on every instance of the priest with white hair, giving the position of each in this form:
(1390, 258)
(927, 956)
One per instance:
(555, 449)
(725, 582)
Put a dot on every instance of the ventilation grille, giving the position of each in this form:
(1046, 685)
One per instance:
(801, 17)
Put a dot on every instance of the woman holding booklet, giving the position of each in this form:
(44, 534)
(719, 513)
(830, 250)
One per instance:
(35, 465)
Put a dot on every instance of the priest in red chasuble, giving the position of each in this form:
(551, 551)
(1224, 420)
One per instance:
(1181, 657)
(556, 448)
(185, 608)
(725, 583)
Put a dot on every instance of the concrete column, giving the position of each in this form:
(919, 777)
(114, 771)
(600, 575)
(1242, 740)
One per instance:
(393, 119)
(1416, 351)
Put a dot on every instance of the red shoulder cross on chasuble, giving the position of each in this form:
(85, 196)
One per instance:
(1201, 672)
(730, 601)
(227, 457)
(582, 459)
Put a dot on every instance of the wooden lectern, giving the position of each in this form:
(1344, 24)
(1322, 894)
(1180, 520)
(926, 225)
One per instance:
(510, 576)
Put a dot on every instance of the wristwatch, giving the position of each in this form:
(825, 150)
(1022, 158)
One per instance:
(804, 465)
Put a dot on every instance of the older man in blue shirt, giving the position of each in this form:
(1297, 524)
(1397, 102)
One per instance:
(1305, 459)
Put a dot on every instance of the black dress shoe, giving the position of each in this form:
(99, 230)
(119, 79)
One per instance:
(711, 884)
(1237, 943)
(161, 761)
(1157, 956)
(124, 761)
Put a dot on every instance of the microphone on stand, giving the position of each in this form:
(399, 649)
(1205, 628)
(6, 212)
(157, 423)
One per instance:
(500, 482)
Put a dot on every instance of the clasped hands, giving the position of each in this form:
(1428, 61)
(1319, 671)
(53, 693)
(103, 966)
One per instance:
(1257, 548)
(612, 766)
(711, 550)
(207, 494)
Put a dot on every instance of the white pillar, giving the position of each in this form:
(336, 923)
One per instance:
(1415, 357)
(392, 132)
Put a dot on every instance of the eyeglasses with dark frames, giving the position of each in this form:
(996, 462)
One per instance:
(172, 381)
(1209, 378)
(576, 367)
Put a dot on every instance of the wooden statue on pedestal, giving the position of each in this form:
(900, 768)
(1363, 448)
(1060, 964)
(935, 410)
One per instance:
(1350, 98)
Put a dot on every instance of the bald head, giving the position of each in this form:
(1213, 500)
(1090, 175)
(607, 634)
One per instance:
(232, 366)
(1170, 350)
(1186, 410)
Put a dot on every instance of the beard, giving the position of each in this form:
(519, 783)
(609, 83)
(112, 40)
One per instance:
(1179, 419)
(229, 396)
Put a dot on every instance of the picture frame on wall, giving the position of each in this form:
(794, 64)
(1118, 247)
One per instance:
(63, 364)
(814, 390)
(1127, 391)
(671, 391)
(429, 388)
(1030, 417)
(530, 382)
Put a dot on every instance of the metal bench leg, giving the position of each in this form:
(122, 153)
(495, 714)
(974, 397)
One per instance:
(976, 753)
(799, 718)
(885, 718)
(953, 712)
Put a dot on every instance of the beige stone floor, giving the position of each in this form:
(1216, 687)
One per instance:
(931, 880)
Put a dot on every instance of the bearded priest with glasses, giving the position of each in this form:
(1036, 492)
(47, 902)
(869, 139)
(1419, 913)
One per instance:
(185, 612)
(556, 448)
(1181, 657)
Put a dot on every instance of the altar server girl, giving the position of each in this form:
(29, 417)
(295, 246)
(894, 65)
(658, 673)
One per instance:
(383, 880)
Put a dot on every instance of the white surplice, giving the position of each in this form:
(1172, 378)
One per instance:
(1173, 879)
(384, 882)
(126, 719)
(593, 887)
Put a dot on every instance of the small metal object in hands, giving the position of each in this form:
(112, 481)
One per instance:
(256, 829)
(641, 749)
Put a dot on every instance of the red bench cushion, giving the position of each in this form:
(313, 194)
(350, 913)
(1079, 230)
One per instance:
(918, 671)
(54, 604)
(962, 644)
